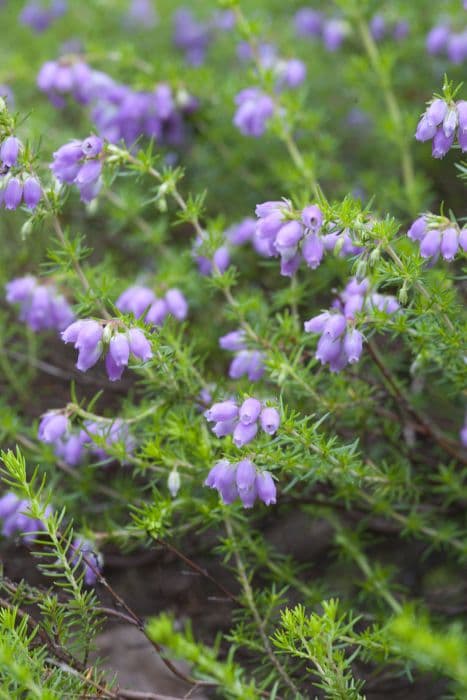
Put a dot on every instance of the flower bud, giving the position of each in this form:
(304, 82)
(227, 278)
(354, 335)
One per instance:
(221, 411)
(266, 488)
(249, 411)
(174, 483)
(270, 420)
(243, 434)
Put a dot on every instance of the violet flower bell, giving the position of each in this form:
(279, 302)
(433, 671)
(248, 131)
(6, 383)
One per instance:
(91, 561)
(254, 109)
(52, 427)
(9, 151)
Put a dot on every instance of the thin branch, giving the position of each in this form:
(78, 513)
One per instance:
(257, 618)
(397, 391)
(134, 619)
(199, 570)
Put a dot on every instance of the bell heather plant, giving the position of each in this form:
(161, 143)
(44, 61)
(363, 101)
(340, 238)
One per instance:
(248, 220)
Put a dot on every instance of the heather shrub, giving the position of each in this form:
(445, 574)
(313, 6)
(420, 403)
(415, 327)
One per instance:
(233, 312)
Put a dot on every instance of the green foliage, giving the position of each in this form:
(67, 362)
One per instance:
(227, 674)
(431, 648)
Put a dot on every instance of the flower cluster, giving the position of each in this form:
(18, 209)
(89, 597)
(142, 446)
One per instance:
(193, 37)
(310, 23)
(249, 363)
(440, 122)
(441, 39)
(190, 36)
(20, 187)
(242, 480)
(264, 52)
(438, 235)
(242, 421)
(118, 112)
(141, 13)
(94, 438)
(289, 73)
(340, 342)
(93, 339)
(13, 512)
(39, 17)
(219, 261)
(254, 109)
(66, 77)
(381, 28)
(41, 306)
(80, 163)
(294, 238)
(138, 299)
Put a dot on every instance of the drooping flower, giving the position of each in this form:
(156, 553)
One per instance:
(308, 22)
(91, 561)
(39, 17)
(141, 13)
(15, 514)
(7, 94)
(456, 47)
(437, 39)
(53, 426)
(9, 151)
(334, 32)
(463, 433)
(378, 27)
(246, 362)
(191, 36)
(254, 109)
(32, 192)
(218, 262)
(12, 194)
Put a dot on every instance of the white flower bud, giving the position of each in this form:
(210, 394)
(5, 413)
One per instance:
(173, 483)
